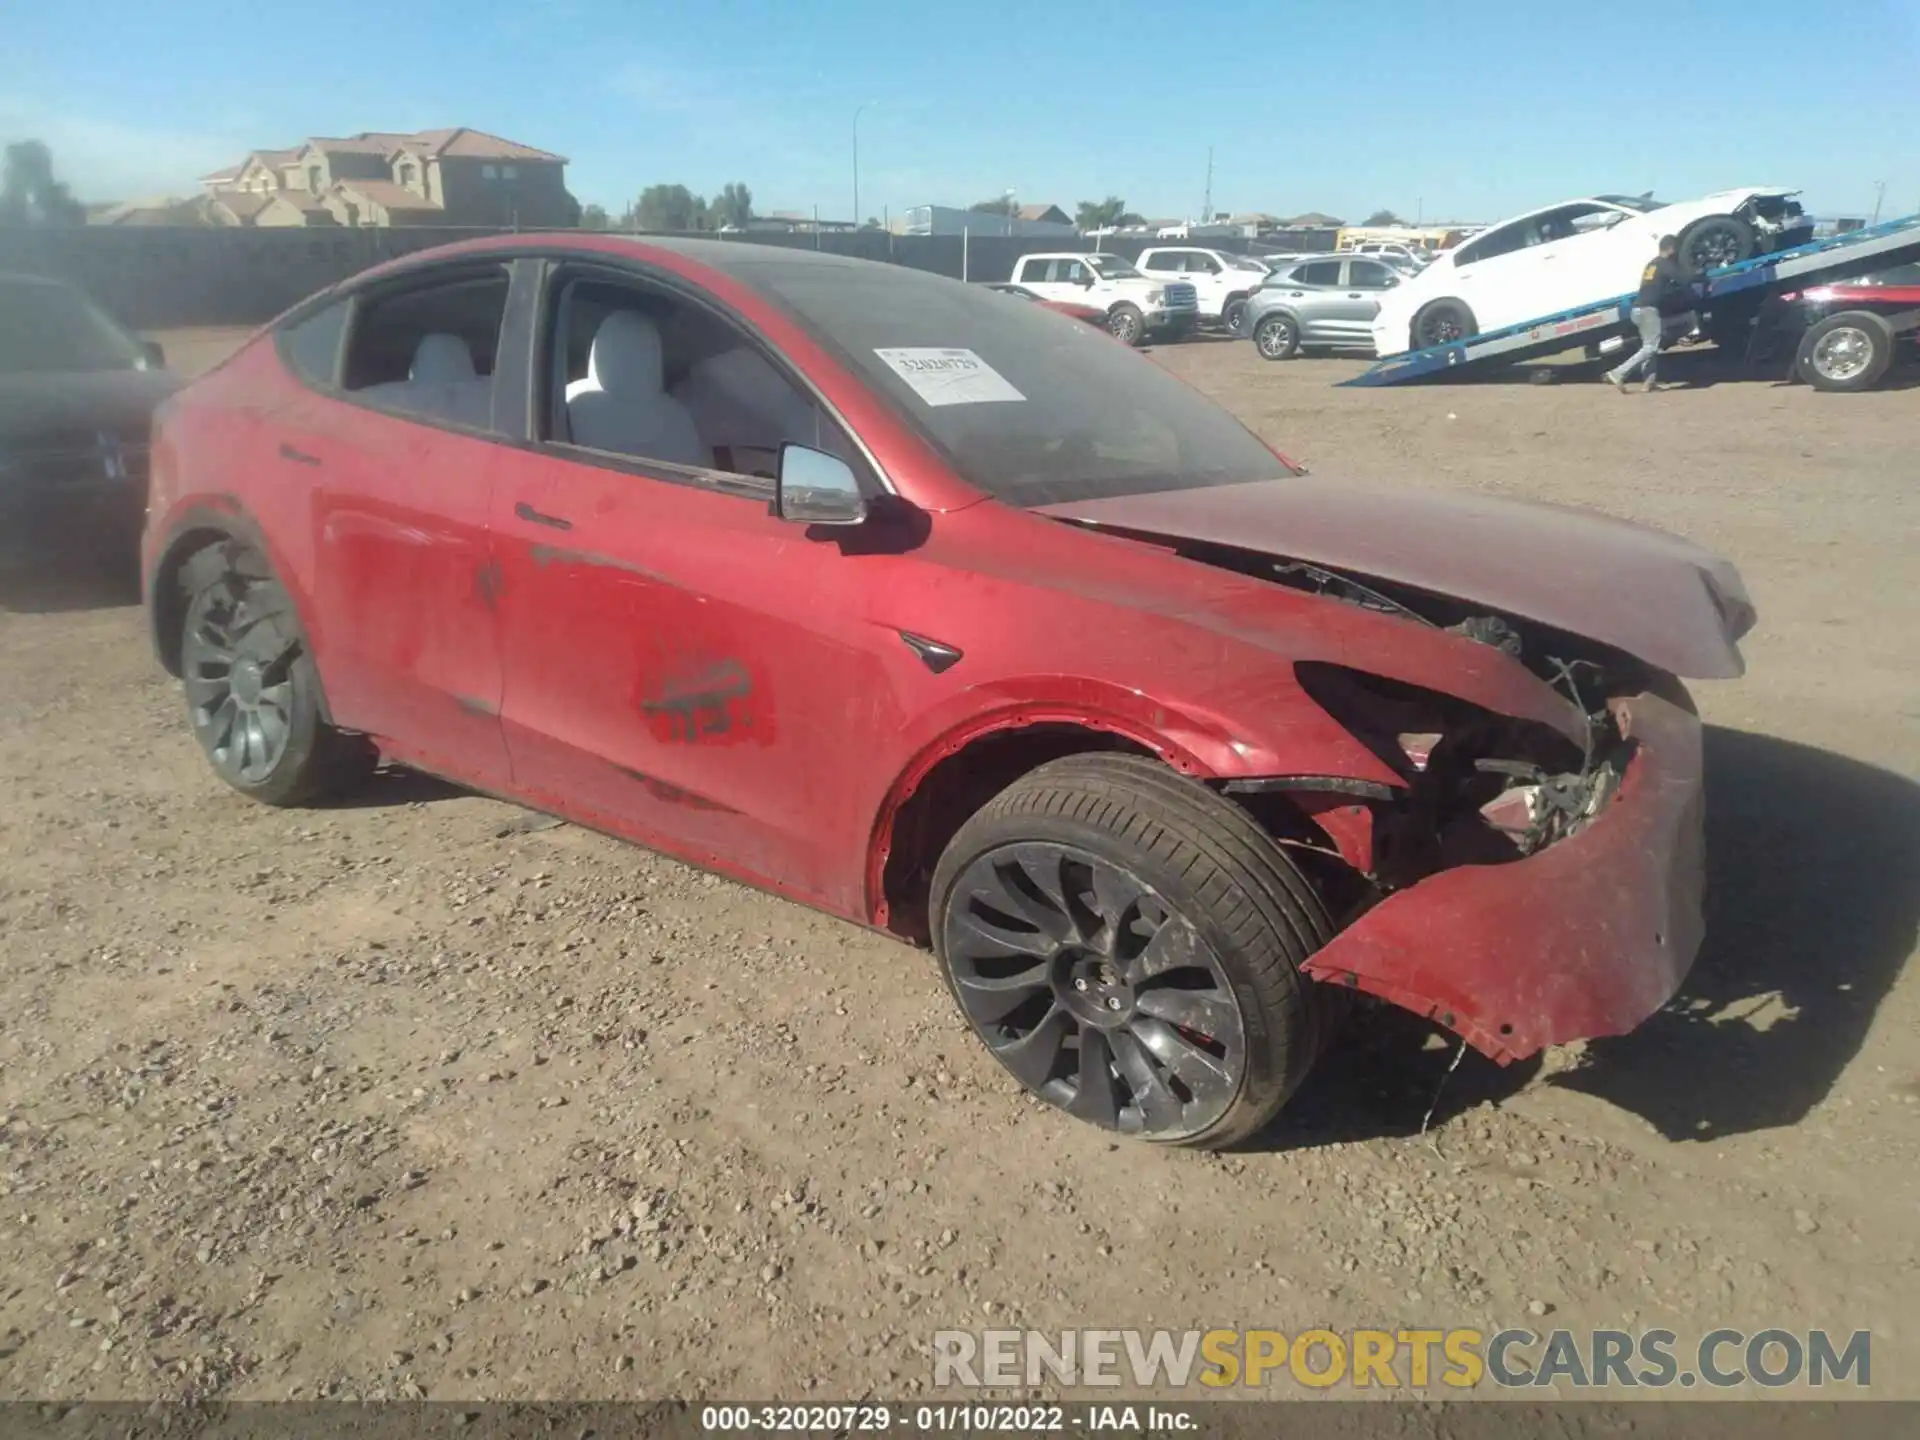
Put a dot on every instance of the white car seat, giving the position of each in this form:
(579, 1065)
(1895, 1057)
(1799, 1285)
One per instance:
(441, 382)
(622, 406)
(739, 401)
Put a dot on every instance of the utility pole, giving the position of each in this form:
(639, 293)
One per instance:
(856, 157)
(1879, 195)
(1419, 211)
(1206, 205)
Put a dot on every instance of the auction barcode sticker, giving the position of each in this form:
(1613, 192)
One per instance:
(948, 377)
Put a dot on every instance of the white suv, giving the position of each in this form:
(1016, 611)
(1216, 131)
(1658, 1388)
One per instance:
(1137, 308)
(1222, 282)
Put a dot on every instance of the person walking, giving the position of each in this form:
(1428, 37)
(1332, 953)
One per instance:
(1666, 289)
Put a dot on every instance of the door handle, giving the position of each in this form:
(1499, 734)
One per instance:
(298, 457)
(528, 513)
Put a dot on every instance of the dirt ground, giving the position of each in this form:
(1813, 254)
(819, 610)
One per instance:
(426, 1095)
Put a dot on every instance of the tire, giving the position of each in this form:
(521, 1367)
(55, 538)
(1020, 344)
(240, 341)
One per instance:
(1233, 314)
(1127, 325)
(1128, 945)
(1441, 322)
(1845, 352)
(1276, 337)
(252, 691)
(1716, 241)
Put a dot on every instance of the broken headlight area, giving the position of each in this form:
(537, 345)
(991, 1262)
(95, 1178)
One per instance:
(1477, 788)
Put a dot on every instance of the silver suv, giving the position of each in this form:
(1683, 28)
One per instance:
(1326, 301)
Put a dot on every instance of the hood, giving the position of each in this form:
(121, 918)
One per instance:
(1751, 192)
(1652, 595)
(122, 401)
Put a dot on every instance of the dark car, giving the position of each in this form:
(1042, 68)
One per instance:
(913, 604)
(1850, 334)
(77, 395)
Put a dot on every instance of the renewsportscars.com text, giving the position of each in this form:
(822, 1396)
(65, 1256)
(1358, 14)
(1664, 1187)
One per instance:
(1458, 1359)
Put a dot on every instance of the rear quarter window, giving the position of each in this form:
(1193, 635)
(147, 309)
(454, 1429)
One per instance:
(311, 346)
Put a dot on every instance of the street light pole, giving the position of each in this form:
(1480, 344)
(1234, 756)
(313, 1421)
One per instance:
(856, 159)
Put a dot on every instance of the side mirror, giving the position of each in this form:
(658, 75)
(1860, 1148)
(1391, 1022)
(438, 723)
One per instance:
(155, 356)
(815, 488)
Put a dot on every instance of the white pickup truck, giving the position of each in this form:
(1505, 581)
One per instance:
(1221, 282)
(1138, 308)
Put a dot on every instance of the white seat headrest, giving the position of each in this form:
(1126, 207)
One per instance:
(626, 358)
(439, 358)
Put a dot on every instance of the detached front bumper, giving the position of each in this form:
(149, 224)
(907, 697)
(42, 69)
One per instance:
(1588, 937)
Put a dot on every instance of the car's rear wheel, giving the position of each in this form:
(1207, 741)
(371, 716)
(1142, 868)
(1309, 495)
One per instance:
(1128, 944)
(253, 694)
(1126, 324)
(1442, 322)
(1715, 241)
(1276, 337)
(1234, 314)
(1848, 351)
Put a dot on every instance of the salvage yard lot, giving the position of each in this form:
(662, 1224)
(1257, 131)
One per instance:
(423, 1094)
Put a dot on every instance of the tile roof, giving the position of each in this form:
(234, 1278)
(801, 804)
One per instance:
(465, 144)
(388, 195)
(243, 204)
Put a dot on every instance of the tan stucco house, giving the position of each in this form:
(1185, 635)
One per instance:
(432, 177)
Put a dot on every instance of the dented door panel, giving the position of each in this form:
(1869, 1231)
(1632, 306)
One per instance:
(681, 666)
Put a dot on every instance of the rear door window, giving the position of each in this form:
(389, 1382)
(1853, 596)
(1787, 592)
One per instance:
(427, 348)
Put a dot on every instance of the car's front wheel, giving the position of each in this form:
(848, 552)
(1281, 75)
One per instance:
(1128, 944)
(253, 693)
(1276, 337)
(1126, 324)
(1716, 241)
(1443, 322)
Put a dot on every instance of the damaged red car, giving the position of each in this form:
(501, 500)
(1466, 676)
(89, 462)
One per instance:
(865, 586)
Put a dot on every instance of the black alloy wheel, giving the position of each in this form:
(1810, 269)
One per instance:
(1093, 993)
(1128, 943)
(253, 694)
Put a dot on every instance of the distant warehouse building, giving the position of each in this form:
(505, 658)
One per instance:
(1040, 220)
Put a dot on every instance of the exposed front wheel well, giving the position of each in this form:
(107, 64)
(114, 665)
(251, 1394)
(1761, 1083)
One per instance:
(952, 791)
(167, 598)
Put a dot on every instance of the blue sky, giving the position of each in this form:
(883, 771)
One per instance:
(1463, 109)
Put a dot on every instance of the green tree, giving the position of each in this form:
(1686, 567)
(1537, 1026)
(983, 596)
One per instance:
(733, 205)
(29, 195)
(1002, 206)
(1383, 217)
(1100, 214)
(668, 207)
(594, 217)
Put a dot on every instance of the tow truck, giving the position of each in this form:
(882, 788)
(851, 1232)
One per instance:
(1736, 297)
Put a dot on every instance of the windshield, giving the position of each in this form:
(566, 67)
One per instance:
(53, 327)
(1640, 203)
(1112, 267)
(1241, 262)
(1026, 406)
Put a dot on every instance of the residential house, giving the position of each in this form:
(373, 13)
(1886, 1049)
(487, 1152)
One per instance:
(450, 177)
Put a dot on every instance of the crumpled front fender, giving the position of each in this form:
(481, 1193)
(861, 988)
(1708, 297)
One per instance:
(1586, 938)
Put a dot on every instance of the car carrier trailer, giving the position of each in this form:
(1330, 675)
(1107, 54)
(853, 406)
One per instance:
(1733, 292)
